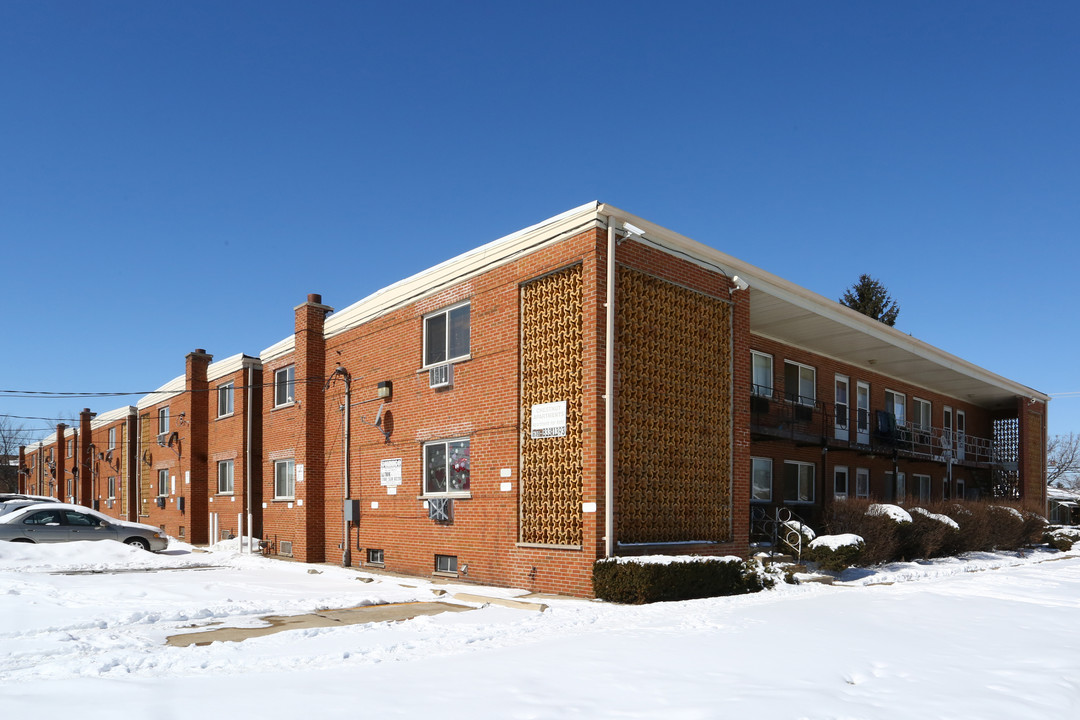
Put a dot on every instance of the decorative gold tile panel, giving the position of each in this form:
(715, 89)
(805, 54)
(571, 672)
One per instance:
(551, 371)
(673, 416)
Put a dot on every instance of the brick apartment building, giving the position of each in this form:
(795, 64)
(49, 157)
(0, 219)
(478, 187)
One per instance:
(593, 385)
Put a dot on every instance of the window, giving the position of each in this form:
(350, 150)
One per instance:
(862, 482)
(841, 390)
(374, 557)
(225, 477)
(70, 447)
(761, 479)
(112, 438)
(284, 479)
(799, 383)
(285, 386)
(798, 482)
(446, 563)
(761, 366)
(162, 483)
(163, 420)
(43, 517)
(961, 494)
(225, 400)
(894, 405)
(73, 517)
(922, 482)
(446, 335)
(446, 467)
(921, 419)
(112, 488)
(840, 482)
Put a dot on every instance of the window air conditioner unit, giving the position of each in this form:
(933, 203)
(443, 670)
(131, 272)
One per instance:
(163, 439)
(161, 501)
(285, 547)
(440, 509)
(441, 376)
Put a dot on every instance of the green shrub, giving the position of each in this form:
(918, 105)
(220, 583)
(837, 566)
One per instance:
(880, 533)
(1062, 539)
(837, 552)
(929, 535)
(650, 579)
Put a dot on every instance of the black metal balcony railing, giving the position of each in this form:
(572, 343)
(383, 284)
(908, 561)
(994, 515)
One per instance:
(814, 421)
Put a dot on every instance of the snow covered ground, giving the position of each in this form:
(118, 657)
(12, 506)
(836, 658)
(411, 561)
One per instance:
(82, 634)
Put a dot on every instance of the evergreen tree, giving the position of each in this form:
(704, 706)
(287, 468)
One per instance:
(871, 298)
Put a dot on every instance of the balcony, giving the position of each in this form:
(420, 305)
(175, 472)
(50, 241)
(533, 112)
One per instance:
(808, 421)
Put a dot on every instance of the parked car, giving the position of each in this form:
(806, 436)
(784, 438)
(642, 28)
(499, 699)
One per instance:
(47, 522)
(13, 501)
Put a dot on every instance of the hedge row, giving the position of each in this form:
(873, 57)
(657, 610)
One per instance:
(655, 579)
(975, 525)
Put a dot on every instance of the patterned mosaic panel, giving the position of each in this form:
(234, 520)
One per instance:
(673, 452)
(551, 371)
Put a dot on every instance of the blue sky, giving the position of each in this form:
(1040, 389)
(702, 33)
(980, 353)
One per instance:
(180, 175)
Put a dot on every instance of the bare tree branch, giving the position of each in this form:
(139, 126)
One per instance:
(1063, 460)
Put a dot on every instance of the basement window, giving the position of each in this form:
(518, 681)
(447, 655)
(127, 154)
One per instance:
(375, 556)
(446, 564)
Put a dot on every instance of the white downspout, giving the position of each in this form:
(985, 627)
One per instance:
(609, 404)
(247, 459)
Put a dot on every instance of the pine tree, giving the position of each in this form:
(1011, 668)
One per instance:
(871, 298)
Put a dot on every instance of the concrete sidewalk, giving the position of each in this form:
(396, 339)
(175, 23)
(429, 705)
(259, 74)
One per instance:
(327, 618)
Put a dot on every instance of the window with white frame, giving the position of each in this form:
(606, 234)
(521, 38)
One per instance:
(285, 386)
(375, 556)
(862, 482)
(798, 482)
(800, 383)
(225, 477)
(225, 399)
(446, 563)
(70, 447)
(894, 405)
(761, 479)
(163, 420)
(762, 369)
(112, 438)
(284, 479)
(840, 482)
(112, 488)
(447, 335)
(446, 467)
(922, 482)
(162, 482)
(923, 412)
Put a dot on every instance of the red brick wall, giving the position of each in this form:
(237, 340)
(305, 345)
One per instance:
(227, 440)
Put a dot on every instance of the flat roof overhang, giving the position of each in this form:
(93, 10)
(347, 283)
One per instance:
(791, 314)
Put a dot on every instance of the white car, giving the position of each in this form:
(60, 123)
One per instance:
(49, 522)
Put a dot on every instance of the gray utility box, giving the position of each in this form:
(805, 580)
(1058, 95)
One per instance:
(352, 510)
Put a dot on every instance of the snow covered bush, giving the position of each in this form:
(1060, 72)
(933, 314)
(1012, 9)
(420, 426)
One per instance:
(656, 578)
(837, 552)
(875, 524)
(1062, 538)
(929, 535)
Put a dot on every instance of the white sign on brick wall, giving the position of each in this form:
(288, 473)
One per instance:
(390, 472)
(548, 420)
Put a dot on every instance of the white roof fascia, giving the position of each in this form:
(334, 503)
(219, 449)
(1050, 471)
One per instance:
(810, 301)
(111, 416)
(461, 268)
(281, 347)
(169, 390)
(230, 365)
